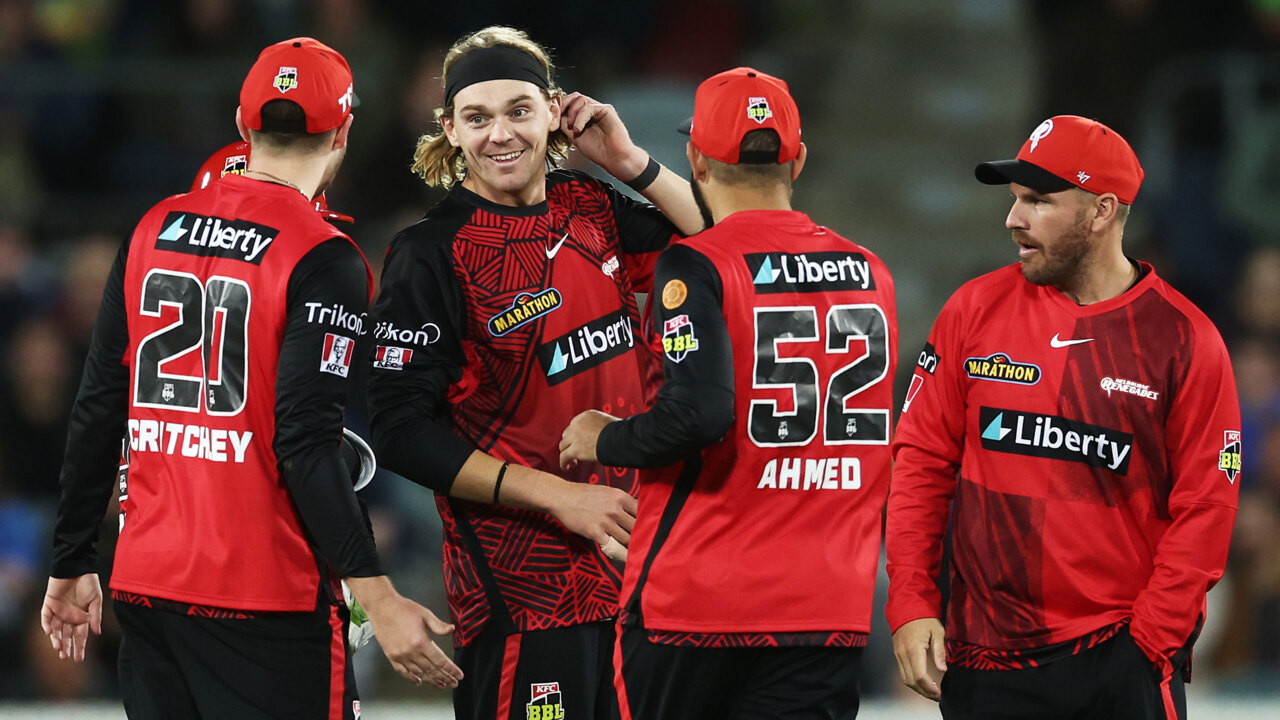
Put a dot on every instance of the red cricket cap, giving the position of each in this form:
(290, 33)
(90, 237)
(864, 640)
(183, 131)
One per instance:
(731, 104)
(1070, 151)
(306, 71)
(232, 159)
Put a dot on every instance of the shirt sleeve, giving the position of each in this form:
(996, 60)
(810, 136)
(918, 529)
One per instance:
(927, 449)
(310, 403)
(695, 406)
(1202, 434)
(417, 359)
(94, 434)
(643, 232)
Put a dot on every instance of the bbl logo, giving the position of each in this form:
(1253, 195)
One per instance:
(286, 79)
(758, 109)
(235, 165)
(1229, 458)
(544, 702)
(677, 338)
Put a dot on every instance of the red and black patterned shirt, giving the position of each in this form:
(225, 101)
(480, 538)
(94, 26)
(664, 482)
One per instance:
(496, 325)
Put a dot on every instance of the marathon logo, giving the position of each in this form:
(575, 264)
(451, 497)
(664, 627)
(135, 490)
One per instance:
(390, 357)
(336, 357)
(809, 272)
(1055, 438)
(593, 344)
(524, 309)
(215, 237)
(833, 473)
(336, 315)
(192, 441)
(1229, 458)
(544, 702)
(1000, 368)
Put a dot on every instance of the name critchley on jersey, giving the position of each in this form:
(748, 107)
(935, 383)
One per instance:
(193, 441)
(1055, 438)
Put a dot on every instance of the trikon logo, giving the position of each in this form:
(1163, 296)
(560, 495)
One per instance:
(214, 236)
(809, 272)
(1056, 438)
(592, 344)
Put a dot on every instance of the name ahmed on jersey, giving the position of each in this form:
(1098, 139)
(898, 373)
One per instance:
(194, 234)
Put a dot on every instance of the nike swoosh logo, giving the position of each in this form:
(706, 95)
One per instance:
(551, 252)
(1055, 342)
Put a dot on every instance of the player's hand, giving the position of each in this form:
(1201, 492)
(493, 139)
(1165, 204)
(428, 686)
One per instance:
(600, 135)
(72, 606)
(614, 550)
(596, 512)
(401, 627)
(578, 441)
(922, 656)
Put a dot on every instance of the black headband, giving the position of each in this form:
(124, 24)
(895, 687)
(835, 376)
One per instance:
(501, 62)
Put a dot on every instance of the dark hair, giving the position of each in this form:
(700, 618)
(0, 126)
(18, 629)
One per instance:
(284, 126)
(752, 169)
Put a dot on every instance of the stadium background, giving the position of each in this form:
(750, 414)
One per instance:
(108, 105)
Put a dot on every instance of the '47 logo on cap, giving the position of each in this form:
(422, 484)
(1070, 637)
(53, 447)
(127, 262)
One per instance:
(758, 109)
(286, 79)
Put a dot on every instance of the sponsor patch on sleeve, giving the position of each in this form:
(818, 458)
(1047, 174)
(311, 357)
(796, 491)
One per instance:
(1229, 458)
(336, 356)
(677, 338)
(390, 357)
(674, 294)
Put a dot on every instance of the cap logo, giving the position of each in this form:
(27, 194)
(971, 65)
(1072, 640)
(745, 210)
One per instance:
(286, 79)
(758, 109)
(1083, 177)
(235, 165)
(1041, 133)
(345, 100)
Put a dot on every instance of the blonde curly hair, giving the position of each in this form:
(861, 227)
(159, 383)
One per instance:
(440, 164)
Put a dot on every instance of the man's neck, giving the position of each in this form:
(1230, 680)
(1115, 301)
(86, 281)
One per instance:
(1107, 278)
(726, 200)
(301, 174)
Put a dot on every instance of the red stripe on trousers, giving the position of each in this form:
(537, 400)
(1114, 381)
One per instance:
(337, 665)
(506, 686)
(620, 685)
(1166, 695)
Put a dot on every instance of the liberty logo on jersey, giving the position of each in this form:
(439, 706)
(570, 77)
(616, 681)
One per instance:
(1055, 438)
(1229, 458)
(525, 308)
(544, 702)
(214, 236)
(593, 344)
(1001, 368)
(809, 272)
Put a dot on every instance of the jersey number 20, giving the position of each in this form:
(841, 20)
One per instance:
(212, 316)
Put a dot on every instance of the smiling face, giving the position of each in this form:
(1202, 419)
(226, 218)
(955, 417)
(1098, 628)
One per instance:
(502, 126)
(1052, 234)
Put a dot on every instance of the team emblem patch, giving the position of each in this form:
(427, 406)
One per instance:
(1000, 368)
(525, 308)
(677, 338)
(758, 109)
(286, 79)
(544, 702)
(235, 165)
(390, 357)
(1041, 132)
(610, 266)
(1229, 458)
(336, 357)
(674, 294)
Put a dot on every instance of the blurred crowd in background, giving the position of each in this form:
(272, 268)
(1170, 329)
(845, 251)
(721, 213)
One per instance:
(106, 106)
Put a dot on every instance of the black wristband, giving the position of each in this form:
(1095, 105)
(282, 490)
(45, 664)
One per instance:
(646, 178)
(498, 485)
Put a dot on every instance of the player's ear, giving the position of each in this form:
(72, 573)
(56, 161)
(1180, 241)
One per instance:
(554, 103)
(450, 132)
(697, 162)
(1105, 207)
(344, 131)
(798, 164)
(244, 129)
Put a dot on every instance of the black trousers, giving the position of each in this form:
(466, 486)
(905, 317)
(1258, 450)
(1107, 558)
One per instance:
(668, 682)
(1112, 680)
(279, 665)
(558, 674)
